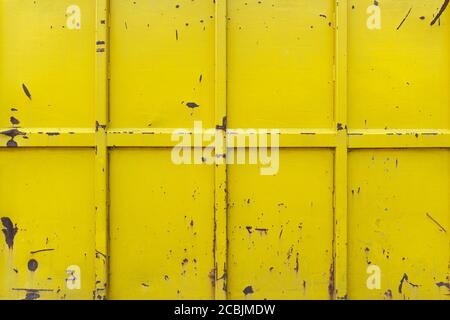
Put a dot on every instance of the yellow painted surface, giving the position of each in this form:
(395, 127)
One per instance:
(399, 204)
(48, 196)
(55, 64)
(399, 75)
(277, 51)
(162, 57)
(161, 227)
(280, 238)
(86, 116)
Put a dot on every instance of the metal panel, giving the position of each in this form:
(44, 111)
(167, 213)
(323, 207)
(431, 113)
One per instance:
(399, 75)
(162, 227)
(48, 220)
(398, 221)
(162, 60)
(221, 231)
(47, 77)
(398, 97)
(277, 51)
(280, 236)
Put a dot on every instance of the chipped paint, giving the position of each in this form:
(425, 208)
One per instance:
(363, 176)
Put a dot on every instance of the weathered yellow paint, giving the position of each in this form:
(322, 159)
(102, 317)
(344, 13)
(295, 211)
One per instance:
(55, 64)
(364, 177)
(399, 75)
(220, 172)
(281, 238)
(161, 227)
(277, 51)
(162, 57)
(399, 203)
(101, 150)
(48, 194)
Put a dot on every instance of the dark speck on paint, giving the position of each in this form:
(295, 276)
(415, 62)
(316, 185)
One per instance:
(192, 105)
(248, 290)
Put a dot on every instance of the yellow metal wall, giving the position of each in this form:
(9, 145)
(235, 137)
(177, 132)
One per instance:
(92, 206)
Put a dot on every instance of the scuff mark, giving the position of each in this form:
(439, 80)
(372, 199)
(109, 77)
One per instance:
(441, 11)
(262, 230)
(404, 19)
(441, 228)
(403, 280)
(42, 250)
(9, 230)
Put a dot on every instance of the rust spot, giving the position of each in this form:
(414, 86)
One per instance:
(27, 92)
(32, 265)
(9, 230)
(32, 295)
(11, 144)
(12, 133)
(98, 126)
(192, 105)
(443, 284)
(262, 230)
(14, 121)
(248, 290)
(224, 124)
(388, 294)
(331, 288)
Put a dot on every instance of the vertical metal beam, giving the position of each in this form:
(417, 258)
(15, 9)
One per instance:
(220, 210)
(101, 152)
(338, 289)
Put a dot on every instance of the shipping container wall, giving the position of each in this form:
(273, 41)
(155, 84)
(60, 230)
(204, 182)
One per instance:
(93, 205)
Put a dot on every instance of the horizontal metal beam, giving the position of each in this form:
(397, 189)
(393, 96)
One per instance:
(288, 138)
(405, 138)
